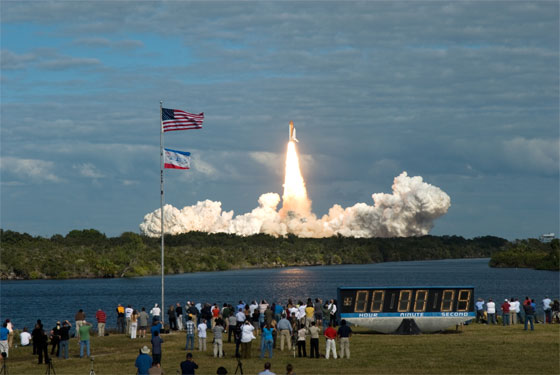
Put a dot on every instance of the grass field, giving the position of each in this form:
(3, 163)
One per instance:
(476, 349)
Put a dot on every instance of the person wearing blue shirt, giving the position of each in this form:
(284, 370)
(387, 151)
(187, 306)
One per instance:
(479, 310)
(156, 327)
(4, 332)
(266, 370)
(267, 340)
(143, 361)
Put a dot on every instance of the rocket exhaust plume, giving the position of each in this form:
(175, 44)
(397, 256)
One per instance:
(294, 199)
(409, 211)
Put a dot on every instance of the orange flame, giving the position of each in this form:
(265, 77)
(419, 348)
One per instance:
(295, 194)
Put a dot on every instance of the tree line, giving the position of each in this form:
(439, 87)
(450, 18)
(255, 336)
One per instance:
(91, 254)
(529, 253)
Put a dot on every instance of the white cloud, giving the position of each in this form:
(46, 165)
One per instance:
(542, 155)
(88, 170)
(37, 170)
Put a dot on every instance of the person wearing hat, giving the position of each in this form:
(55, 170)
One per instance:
(143, 361)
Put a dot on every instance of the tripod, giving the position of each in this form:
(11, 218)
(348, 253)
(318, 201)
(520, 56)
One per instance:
(91, 371)
(239, 366)
(4, 369)
(50, 368)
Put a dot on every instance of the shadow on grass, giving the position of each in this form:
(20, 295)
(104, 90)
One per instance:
(446, 332)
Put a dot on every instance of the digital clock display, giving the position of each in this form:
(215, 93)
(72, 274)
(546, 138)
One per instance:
(406, 300)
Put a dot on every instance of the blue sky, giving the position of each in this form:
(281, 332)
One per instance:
(464, 94)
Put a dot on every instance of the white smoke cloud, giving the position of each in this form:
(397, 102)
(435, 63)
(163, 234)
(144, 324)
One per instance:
(409, 211)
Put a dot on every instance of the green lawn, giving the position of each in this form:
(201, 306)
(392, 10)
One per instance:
(476, 349)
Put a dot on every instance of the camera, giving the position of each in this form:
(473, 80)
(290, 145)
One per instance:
(4, 355)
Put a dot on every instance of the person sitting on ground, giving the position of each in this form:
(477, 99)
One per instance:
(25, 337)
(290, 369)
(143, 361)
(266, 370)
(188, 366)
(156, 369)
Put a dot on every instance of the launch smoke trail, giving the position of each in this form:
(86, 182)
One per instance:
(409, 210)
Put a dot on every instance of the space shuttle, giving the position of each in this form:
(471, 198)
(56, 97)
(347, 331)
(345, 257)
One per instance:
(292, 132)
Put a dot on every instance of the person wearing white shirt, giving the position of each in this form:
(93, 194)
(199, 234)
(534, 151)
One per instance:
(127, 314)
(547, 309)
(202, 327)
(246, 339)
(513, 310)
(252, 307)
(332, 312)
(25, 337)
(240, 316)
(491, 311)
(155, 312)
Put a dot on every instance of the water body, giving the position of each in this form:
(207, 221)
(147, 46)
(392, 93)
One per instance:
(50, 300)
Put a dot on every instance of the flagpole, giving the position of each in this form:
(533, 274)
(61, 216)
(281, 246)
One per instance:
(161, 201)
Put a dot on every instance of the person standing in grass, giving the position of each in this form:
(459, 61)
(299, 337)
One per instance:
(143, 318)
(344, 333)
(101, 319)
(64, 337)
(301, 333)
(330, 335)
(133, 324)
(267, 340)
(232, 323)
(285, 328)
(172, 318)
(202, 327)
(128, 314)
(156, 313)
(189, 328)
(505, 313)
(80, 318)
(120, 318)
(547, 310)
(246, 339)
(156, 347)
(314, 341)
(84, 331)
(179, 313)
(479, 310)
(491, 311)
(218, 331)
(4, 332)
(529, 315)
(143, 361)
(189, 366)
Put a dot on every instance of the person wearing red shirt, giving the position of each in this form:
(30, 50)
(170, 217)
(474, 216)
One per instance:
(101, 320)
(330, 334)
(215, 314)
(505, 313)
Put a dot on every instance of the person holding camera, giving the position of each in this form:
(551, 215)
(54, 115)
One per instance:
(64, 337)
(55, 339)
(247, 337)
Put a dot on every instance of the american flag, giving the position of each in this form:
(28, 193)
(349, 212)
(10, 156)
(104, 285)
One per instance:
(175, 119)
